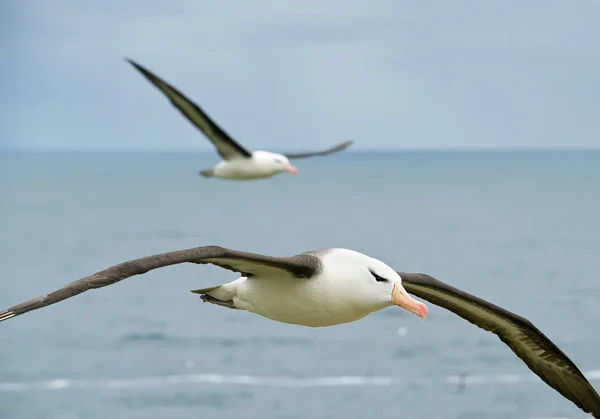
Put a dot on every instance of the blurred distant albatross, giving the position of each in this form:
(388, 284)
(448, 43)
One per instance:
(334, 286)
(238, 163)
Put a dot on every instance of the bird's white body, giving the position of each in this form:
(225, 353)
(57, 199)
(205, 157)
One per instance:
(262, 164)
(345, 291)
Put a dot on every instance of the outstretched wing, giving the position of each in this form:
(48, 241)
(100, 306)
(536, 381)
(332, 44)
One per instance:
(334, 149)
(227, 147)
(248, 264)
(540, 354)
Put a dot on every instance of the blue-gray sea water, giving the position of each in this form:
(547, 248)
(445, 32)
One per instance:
(521, 229)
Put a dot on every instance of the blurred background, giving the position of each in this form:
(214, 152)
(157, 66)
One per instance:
(476, 160)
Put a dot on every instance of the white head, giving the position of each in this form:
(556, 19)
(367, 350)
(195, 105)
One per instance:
(367, 283)
(273, 161)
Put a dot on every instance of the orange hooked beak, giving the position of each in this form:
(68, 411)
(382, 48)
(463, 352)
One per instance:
(291, 169)
(401, 298)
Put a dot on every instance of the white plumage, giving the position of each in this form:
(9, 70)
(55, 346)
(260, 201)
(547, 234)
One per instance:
(344, 291)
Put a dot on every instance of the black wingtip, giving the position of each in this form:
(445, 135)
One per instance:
(133, 63)
(340, 146)
(140, 68)
(7, 314)
(145, 72)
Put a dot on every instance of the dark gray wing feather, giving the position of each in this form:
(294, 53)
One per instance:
(540, 354)
(248, 264)
(226, 146)
(334, 149)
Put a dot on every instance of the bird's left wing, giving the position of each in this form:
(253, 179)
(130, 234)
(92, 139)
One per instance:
(248, 264)
(540, 354)
(334, 149)
(226, 146)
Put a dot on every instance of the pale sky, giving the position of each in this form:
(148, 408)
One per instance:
(290, 74)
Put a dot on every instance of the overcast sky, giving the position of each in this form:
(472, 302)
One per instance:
(302, 74)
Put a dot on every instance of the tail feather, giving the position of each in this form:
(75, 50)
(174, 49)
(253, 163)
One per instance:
(220, 296)
(205, 290)
(225, 292)
(207, 173)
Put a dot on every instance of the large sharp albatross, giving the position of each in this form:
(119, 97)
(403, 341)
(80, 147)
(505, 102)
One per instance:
(333, 286)
(238, 163)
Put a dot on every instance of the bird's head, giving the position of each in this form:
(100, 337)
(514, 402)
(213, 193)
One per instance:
(368, 283)
(274, 161)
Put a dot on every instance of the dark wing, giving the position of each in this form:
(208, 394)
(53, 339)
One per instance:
(334, 149)
(248, 264)
(542, 356)
(227, 147)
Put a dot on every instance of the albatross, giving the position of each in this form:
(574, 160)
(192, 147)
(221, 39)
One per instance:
(328, 287)
(238, 163)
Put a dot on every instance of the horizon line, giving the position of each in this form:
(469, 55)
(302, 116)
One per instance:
(355, 150)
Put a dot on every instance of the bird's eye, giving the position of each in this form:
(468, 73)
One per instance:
(377, 277)
(278, 161)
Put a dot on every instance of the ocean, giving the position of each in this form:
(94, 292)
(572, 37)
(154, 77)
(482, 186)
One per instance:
(520, 229)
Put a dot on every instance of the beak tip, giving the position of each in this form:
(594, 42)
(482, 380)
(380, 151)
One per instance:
(401, 298)
(424, 311)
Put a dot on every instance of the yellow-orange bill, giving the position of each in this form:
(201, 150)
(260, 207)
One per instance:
(401, 298)
(291, 169)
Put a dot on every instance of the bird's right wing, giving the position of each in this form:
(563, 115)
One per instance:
(248, 264)
(226, 146)
(538, 352)
(336, 148)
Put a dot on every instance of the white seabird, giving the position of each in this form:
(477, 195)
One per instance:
(238, 163)
(334, 286)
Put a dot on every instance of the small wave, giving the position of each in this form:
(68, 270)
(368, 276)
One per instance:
(252, 380)
(245, 380)
(150, 336)
(209, 341)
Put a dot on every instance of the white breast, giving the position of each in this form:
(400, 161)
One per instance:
(304, 301)
(242, 169)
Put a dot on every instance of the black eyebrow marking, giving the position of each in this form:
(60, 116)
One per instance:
(377, 277)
